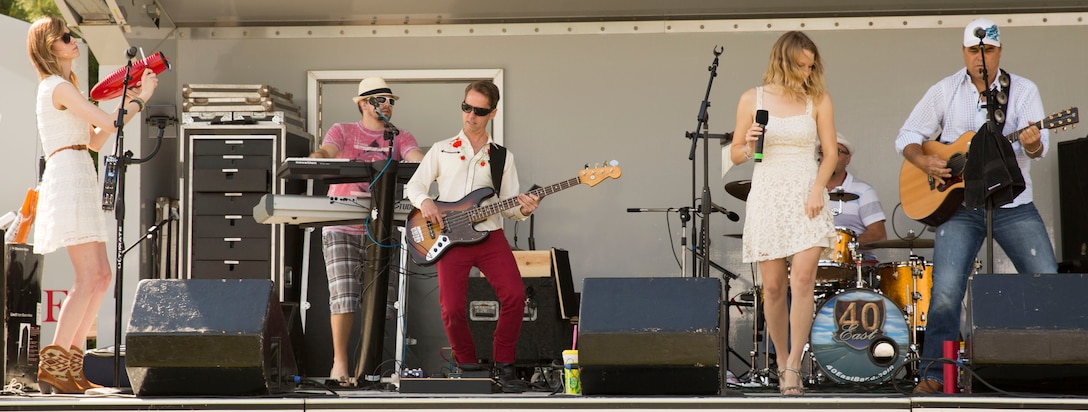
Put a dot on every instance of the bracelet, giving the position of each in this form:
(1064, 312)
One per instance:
(138, 103)
(1036, 151)
(744, 152)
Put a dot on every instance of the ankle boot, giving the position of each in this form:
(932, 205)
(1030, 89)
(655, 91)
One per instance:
(53, 371)
(77, 370)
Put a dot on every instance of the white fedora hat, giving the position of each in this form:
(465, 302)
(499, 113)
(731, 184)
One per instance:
(373, 86)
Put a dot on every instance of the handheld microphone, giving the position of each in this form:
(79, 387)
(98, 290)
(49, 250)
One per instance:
(761, 117)
(980, 33)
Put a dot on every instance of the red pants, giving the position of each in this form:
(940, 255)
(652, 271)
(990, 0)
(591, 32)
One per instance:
(496, 261)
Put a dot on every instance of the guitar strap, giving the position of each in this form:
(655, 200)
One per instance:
(498, 161)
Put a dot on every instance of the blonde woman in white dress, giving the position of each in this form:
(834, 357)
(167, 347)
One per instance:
(787, 213)
(70, 212)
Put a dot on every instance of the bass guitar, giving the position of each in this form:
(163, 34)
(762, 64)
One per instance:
(428, 241)
(930, 203)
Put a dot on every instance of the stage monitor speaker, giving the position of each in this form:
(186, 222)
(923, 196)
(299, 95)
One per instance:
(1029, 328)
(1073, 201)
(650, 336)
(208, 337)
(544, 333)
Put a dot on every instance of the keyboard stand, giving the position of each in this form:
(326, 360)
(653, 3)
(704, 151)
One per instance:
(402, 308)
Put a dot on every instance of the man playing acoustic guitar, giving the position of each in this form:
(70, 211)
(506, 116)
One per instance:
(953, 107)
(460, 165)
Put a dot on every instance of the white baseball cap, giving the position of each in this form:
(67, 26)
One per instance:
(842, 140)
(992, 36)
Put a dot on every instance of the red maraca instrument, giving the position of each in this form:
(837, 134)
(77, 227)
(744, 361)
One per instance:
(111, 87)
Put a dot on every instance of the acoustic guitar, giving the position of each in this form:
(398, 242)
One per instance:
(930, 203)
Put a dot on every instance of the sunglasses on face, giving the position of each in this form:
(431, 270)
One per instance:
(383, 100)
(67, 37)
(479, 111)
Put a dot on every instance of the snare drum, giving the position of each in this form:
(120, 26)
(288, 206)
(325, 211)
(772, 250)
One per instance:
(898, 285)
(837, 262)
(859, 336)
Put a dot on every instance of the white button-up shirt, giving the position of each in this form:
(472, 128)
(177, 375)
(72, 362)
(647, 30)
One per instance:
(459, 170)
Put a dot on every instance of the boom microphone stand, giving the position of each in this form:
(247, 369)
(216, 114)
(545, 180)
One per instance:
(113, 198)
(375, 295)
(704, 208)
(701, 249)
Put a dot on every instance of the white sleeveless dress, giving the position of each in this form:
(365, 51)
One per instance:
(775, 224)
(70, 195)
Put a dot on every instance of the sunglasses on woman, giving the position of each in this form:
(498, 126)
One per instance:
(67, 37)
(480, 111)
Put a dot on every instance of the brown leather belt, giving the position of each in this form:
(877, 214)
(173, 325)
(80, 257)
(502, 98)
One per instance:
(72, 147)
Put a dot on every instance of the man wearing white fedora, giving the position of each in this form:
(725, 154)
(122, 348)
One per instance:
(344, 246)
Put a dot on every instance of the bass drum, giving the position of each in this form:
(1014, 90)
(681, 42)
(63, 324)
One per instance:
(859, 336)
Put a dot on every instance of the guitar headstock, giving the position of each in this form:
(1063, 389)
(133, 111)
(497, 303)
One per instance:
(597, 175)
(1063, 119)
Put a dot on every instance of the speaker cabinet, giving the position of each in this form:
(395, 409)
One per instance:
(208, 337)
(1029, 328)
(1073, 200)
(650, 336)
(544, 333)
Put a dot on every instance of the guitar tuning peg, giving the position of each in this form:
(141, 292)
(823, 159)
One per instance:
(613, 162)
(585, 166)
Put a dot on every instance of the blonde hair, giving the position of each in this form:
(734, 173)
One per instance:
(783, 69)
(39, 45)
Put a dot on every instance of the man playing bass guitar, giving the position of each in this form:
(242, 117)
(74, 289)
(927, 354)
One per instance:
(460, 165)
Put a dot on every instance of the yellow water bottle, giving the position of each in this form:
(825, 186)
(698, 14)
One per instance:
(572, 381)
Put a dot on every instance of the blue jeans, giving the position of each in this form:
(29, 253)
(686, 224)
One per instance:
(1021, 234)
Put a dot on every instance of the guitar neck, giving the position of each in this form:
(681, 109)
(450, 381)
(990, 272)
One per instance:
(1014, 136)
(483, 212)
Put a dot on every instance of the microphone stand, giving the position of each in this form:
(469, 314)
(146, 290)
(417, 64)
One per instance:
(701, 249)
(113, 198)
(995, 130)
(378, 253)
(704, 208)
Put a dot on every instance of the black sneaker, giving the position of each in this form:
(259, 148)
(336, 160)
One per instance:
(507, 377)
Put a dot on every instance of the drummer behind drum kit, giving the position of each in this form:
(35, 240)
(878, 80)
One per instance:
(860, 334)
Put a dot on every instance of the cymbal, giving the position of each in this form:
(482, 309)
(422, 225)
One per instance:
(844, 196)
(915, 243)
(739, 189)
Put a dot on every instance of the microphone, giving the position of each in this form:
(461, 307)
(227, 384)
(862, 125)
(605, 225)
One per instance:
(729, 214)
(761, 118)
(110, 88)
(980, 33)
(131, 53)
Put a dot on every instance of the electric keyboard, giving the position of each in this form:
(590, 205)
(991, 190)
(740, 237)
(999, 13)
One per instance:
(339, 170)
(307, 210)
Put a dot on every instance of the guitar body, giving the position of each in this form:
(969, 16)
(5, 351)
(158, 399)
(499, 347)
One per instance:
(928, 204)
(427, 243)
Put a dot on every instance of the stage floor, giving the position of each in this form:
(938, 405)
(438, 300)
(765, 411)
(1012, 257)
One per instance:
(823, 398)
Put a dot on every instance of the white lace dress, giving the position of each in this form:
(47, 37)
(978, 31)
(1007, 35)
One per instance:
(70, 195)
(775, 224)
